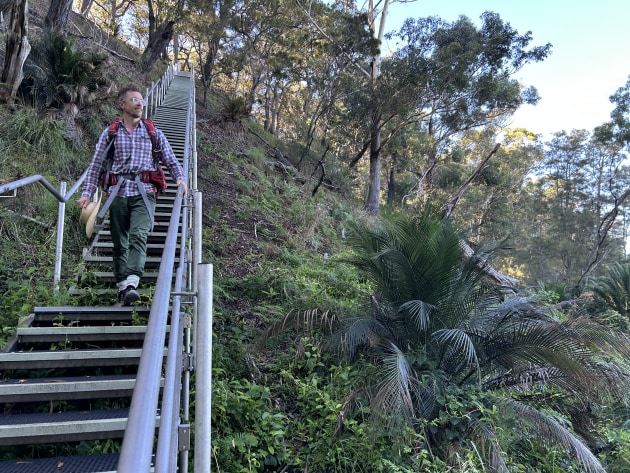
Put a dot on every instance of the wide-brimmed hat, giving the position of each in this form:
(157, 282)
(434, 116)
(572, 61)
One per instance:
(88, 216)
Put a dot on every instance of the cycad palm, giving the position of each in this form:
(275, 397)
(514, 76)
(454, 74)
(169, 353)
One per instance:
(614, 288)
(58, 74)
(434, 327)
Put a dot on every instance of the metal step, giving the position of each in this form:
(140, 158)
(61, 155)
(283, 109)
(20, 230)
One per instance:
(73, 426)
(80, 334)
(69, 358)
(86, 315)
(106, 463)
(155, 235)
(108, 276)
(150, 261)
(77, 387)
(152, 248)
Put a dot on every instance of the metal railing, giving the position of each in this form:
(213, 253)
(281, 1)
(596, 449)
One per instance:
(137, 448)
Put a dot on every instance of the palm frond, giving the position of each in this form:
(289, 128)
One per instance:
(303, 321)
(394, 395)
(486, 436)
(458, 350)
(548, 429)
(358, 332)
(420, 313)
(614, 288)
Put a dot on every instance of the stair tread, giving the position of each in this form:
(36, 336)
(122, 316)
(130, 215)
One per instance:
(27, 390)
(39, 355)
(112, 378)
(105, 463)
(18, 429)
(88, 310)
(71, 330)
(70, 417)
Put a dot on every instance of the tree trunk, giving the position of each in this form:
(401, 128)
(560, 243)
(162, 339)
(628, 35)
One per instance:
(207, 69)
(275, 108)
(157, 44)
(372, 199)
(391, 185)
(17, 47)
(58, 15)
(86, 5)
(175, 47)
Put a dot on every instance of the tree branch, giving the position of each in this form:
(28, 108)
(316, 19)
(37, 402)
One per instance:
(602, 232)
(450, 205)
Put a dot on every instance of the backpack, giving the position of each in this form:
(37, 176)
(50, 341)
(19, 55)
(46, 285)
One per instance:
(157, 177)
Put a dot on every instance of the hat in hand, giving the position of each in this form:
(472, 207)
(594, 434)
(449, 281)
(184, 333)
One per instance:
(88, 216)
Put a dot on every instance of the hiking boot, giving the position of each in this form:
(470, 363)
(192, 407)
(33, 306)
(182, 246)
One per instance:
(130, 296)
(121, 298)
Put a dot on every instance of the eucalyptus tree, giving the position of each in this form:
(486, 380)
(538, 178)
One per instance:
(458, 361)
(579, 189)
(163, 15)
(444, 79)
(108, 15)
(208, 32)
(16, 47)
(58, 15)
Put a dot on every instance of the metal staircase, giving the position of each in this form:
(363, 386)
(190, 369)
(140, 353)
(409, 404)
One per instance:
(72, 379)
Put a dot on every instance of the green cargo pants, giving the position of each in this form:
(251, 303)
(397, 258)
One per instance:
(130, 224)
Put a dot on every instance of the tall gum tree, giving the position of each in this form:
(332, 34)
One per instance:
(17, 47)
(445, 78)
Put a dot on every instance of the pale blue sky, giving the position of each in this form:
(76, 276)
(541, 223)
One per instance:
(590, 56)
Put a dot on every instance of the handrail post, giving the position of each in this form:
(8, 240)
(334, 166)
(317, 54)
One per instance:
(203, 370)
(61, 214)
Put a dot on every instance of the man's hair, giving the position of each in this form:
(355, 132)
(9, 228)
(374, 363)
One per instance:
(128, 88)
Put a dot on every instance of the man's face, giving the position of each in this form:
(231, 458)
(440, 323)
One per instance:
(132, 104)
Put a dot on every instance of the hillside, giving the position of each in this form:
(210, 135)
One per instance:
(482, 375)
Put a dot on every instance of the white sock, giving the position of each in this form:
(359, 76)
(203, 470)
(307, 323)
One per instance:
(122, 285)
(133, 280)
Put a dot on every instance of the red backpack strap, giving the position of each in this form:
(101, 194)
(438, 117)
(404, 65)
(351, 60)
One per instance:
(155, 149)
(113, 128)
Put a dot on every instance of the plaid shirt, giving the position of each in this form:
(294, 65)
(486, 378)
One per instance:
(133, 155)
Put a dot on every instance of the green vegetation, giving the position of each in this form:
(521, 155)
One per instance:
(347, 342)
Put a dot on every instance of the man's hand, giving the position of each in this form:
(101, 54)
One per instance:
(183, 183)
(83, 202)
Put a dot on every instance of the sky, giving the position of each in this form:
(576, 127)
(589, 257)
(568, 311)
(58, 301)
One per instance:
(589, 58)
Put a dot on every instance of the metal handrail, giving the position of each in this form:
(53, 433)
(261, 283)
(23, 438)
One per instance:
(139, 436)
(154, 95)
(138, 441)
(167, 447)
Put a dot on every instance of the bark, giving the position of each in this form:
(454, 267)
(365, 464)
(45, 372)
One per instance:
(490, 273)
(391, 185)
(86, 5)
(58, 15)
(17, 47)
(372, 199)
(157, 44)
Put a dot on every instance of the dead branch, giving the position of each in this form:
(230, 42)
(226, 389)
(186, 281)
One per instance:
(450, 205)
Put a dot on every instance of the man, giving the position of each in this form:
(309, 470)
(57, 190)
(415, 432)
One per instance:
(131, 210)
